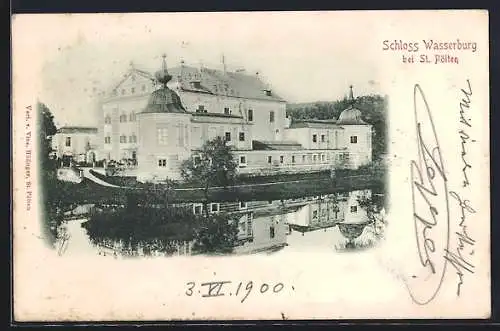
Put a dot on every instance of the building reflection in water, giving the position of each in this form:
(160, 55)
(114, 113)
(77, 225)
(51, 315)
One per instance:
(343, 219)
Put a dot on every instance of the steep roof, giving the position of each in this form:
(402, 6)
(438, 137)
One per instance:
(77, 129)
(216, 82)
(164, 100)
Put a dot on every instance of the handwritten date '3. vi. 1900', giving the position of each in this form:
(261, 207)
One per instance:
(234, 289)
(431, 204)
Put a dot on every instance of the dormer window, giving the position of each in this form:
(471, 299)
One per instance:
(201, 109)
(196, 84)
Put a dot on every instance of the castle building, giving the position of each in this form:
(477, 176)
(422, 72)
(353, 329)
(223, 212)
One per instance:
(161, 120)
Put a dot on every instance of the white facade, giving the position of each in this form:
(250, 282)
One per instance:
(79, 143)
(239, 108)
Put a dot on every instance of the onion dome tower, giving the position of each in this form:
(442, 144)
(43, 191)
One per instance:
(164, 128)
(351, 115)
(164, 100)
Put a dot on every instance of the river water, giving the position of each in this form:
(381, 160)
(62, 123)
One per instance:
(328, 223)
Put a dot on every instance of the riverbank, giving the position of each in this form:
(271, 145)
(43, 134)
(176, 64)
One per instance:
(91, 192)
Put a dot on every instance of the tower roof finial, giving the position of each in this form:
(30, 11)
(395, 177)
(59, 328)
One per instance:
(162, 75)
(351, 95)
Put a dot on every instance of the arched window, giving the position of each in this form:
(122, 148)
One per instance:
(123, 118)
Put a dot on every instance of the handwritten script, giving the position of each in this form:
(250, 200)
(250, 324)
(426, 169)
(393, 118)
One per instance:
(459, 257)
(227, 288)
(431, 203)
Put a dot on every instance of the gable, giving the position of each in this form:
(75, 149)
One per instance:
(134, 79)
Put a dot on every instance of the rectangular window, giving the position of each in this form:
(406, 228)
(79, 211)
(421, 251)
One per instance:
(162, 136)
(227, 111)
(269, 159)
(271, 231)
(123, 118)
(228, 136)
(243, 161)
(123, 139)
(132, 90)
(243, 205)
(322, 157)
(162, 163)
(201, 109)
(214, 207)
(250, 115)
(197, 208)
(107, 119)
(180, 135)
(322, 138)
(242, 136)
(293, 158)
(282, 158)
(107, 140)
(354, 139)
(354, 209)
(315, 138)
(68, 141)
(249, 224)
(271, 116)
(314, 158)
(303, 159)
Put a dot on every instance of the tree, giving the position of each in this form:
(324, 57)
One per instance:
(213, 165)
(46, 129)
(48, 172)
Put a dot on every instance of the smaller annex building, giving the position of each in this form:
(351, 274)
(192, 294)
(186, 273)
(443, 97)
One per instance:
(76, 144)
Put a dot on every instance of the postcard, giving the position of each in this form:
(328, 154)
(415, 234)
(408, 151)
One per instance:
(251, 166)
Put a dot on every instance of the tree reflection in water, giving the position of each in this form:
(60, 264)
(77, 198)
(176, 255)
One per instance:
(370, 231)
(159, 228)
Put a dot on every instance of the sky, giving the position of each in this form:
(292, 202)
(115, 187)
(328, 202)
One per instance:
(304, 56)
